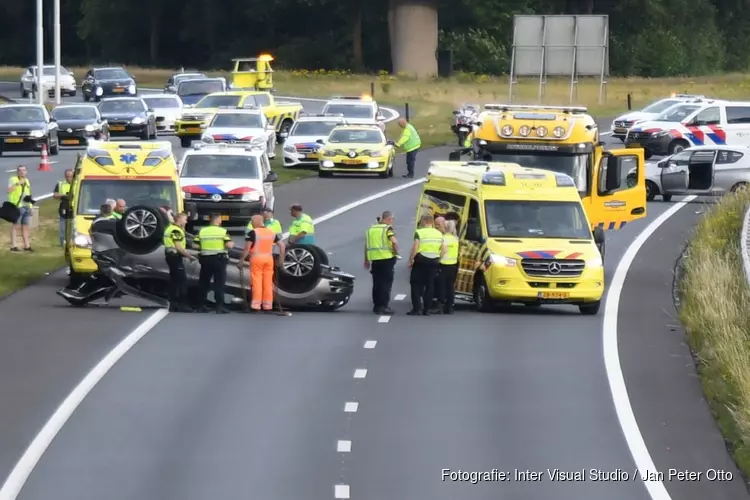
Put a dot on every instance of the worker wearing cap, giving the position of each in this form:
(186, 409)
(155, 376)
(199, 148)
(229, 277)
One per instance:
(213, 241)
(259, 244)
(424, 260)
(302, 229)
(175, 253)
(272, 224)
(381, 249)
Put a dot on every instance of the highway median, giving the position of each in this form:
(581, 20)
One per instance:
(714, 298)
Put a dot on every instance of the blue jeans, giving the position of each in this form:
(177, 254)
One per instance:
(62, 232)
(25, 218)
(411, 160)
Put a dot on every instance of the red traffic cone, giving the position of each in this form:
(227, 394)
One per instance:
(44, 164)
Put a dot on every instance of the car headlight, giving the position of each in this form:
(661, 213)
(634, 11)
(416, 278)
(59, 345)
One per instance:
(327, 164)
(327, 153)
(89, 128)
(81, 240)
(99, 91)
(251, 196)
(375, 154)
(372, 164)
(595, 262)
(131, 89)
(258, 141)
(137, 120)
(660, 133)
(207, 139)
(290, 149)
(37, 133)
(501, 260)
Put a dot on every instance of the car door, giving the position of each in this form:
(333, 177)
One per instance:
(737, 124)
(700, 166)
(268, 193)
(731, 167)
(674, 173)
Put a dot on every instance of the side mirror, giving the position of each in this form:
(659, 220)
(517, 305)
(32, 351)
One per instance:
(390, 143)
(192, 211)
(454, 156)
(320, 141)
(663, 164)
(477, 124)
(598, 235)
(610, 174)
(456, 112)
(271, 177)
(53, 119)
(380, 118)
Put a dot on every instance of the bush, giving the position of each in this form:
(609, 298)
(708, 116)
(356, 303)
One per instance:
(475, 51)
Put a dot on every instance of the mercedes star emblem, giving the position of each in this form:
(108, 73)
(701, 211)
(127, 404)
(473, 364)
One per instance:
(70, 130)
(217, 197)
(352, 154)
(554, 268)
(14, 133)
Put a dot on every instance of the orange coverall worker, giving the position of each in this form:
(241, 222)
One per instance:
(262, 266)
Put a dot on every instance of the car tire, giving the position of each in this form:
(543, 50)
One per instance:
(300, 269)
(482, 299)
(141, 229)
(739, 187)
(72, 94)
(666, 197)
(145, 135)
(185, 142)
(651, 191)
(677, 146)
(590, 309)
(286, 125)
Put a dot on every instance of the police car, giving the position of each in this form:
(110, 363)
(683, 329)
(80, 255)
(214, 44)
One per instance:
(301, 146)
(623, 123)
(361, 110)
(233, 180)
(241, 126)
(711, 123)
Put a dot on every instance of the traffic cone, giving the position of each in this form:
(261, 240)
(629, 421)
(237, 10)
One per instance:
(44, 164)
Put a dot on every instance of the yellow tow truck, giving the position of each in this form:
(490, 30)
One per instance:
(252, 73)
(565, 139)
(281, 114)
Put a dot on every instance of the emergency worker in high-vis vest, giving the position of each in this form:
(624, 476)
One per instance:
(175, 253)
(449, 268)
(213, 242)
(381, 250)
(19, 194)
(272, 224)
(259, 245)
(302, 229)
(62, 193)
(424, 261)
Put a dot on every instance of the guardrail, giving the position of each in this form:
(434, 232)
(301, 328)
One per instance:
(6, 100)
(745, 245)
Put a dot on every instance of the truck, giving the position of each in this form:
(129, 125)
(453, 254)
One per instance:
(565, 139)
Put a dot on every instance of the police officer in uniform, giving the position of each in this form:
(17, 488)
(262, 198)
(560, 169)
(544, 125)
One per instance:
(175, 252)
(424, 260)
(381, 249)
(213, 241)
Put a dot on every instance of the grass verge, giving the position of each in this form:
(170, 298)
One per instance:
(20, 269)
(713, 308)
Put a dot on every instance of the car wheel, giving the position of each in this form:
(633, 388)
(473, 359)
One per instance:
(286, 125)
(482, 299)
(72, 94)
(185, 142)
(739, 187)
(651, 191)
(590, 309)
(678, 146)
(300, 269)
(666, 197)
(390, 170)
(141, 229)
(146, 134)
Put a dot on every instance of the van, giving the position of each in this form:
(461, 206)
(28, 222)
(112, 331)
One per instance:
(141, 173)
(523, 235)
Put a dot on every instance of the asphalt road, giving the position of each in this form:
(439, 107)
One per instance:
(238, 406)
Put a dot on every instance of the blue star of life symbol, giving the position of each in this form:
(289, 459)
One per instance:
(128, 158)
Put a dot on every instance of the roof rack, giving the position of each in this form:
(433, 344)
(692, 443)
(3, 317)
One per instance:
(348, 97)
(515, 107)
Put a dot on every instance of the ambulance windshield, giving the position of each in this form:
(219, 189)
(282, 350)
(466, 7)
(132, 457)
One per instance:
(575, 165)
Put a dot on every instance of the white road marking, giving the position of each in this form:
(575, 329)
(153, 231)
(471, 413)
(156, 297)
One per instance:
(41, 442)
(344, 446)
(400, 296)
(384, 319)
(370, 344)
(349, 407)
(625, 415)
(605, 133)
(341, 491)
(360, 373)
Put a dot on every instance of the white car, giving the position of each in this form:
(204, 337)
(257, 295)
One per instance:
(301, 146)
(356, 110)
(233, 180)
(167, 108)
(623, 123)
(241, 126)
(67, 81)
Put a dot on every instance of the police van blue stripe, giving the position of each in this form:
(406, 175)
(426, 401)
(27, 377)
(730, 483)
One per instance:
(694, 139)
(716, 139)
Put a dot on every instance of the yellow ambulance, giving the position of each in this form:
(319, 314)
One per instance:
(524, 235)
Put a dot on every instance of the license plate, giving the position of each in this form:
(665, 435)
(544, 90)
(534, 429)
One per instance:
(351, 162)
(70, 141)
(553, 295)
(224, 217)
(14, 141)
(463, 129)
(193, 130)
(117, 128)
(118, 90)
(620, 130)
(310, 156)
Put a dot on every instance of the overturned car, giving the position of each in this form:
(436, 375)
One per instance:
(130, 257)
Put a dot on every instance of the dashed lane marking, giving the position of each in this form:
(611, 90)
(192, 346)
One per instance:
(400, 296)
(344, 446)
(351, 407)
(384, 319)
(360, 373)
(341, 491)
(370, 344)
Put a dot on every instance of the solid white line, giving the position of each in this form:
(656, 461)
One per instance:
(350, 407)
(370, 344)
(41, 442)
(384, 319)
(400, 296)
(344, 446)
(625, 415)
(360, 373)
(605, 133)
(341, 491)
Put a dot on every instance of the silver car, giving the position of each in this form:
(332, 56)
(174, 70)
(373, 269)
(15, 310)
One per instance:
(700, 170)
(167, 107)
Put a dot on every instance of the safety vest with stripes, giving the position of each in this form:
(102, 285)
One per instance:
(379, 246)
(212, 240)
(263, 245)
(430, 242)
(451, 254)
